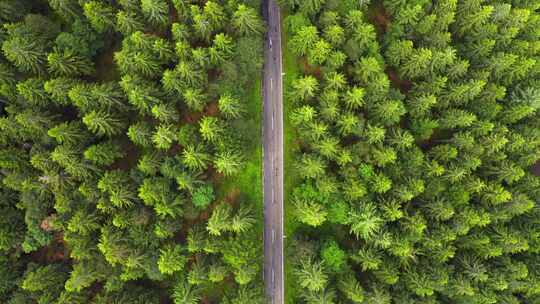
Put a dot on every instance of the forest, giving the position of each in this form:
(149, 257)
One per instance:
(130, 152)
(414, 133)
(126, 127)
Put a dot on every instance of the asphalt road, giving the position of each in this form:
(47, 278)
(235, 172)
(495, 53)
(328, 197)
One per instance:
(273, 156)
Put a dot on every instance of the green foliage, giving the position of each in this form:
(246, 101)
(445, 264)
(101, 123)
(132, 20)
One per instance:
(118, 121)
(220, 220)
(228, 163)
(156, 12)
(203, 196)
(103, 123)
(311, 275)
(185, 293)
(164, 136)
(246, 20)
(334, 257)
(140, 133)
(171, 259)
(67, 63)
(103, 154)
(27, 55)
(100, 15)
(408, 119)
(45, 280)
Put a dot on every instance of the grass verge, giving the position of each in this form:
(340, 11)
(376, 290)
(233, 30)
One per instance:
(247, 185)
(291, 70)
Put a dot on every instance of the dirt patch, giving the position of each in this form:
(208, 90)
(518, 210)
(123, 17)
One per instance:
(403, 85)
(232, 197)
(205, 215)
(174, 150)
(212, 109)
(105, 66)
(173, 15)
(47, 223)
(381, 22)
(56, 251)
(132, 156)
(379, 17)
(535, 169)
(309, 69)
(192, 117)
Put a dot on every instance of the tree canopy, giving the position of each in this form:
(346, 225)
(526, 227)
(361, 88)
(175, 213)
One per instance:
(122, 123)
(415, 143)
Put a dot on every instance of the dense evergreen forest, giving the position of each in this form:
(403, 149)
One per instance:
(122, 122)
(416, 126)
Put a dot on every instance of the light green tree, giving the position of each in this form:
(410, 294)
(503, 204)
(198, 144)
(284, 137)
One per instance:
(231, 107)
(228, 162)
(155, 11)
(100, 15)
(195, 158)
(103, 123)
(311, 274)
(164, 137)
(220, 221)
(246, 20)
(171, 259)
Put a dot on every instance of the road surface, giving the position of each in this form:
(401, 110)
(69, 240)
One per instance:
(273, 156)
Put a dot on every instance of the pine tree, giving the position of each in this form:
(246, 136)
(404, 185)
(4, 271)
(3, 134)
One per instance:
(164, 137)
(364, 222)
(228, 162)
(310, 166)
(33, 92)
(352, 289)
(305, 88)
(230, 106)
(128, 22)
(195, 99)
(67, 63)
(83, 222)
(150, 163)
(59, 88)
(311, 275)
(155, 11)
(186, 293)
(243, 220)
(304, 40)
(195, 158)
(202, 196)
(220, 220)
(210, 129)
(103, 154)
(100, 15)
(335, 34)
(319, 53)
(141, 134)
(310, 213)
(217, 273)
(82, 276)
(246, 20)
(165, 112)
(354, 98)
(66, 8)
(171, 259)
(27, 54)
(103, 123)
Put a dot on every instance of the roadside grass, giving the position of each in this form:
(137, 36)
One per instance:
(248, 183)
(291, 179)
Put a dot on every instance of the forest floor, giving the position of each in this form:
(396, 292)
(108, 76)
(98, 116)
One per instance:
(291, 179)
